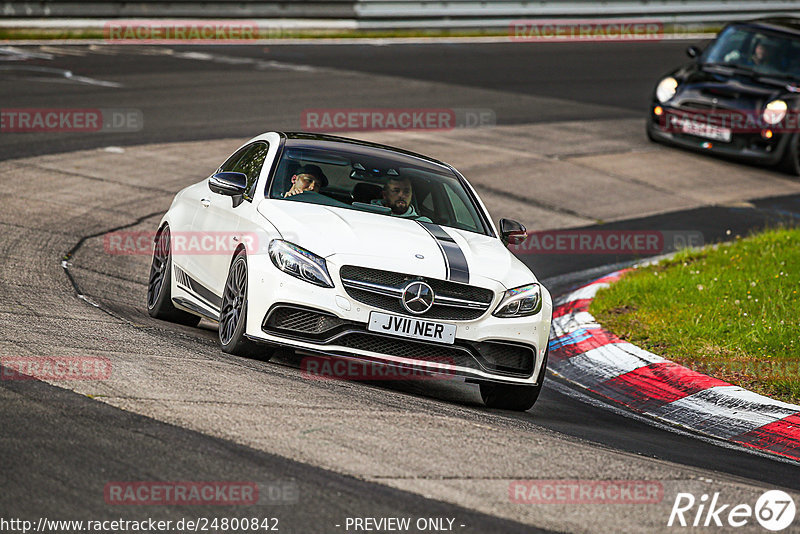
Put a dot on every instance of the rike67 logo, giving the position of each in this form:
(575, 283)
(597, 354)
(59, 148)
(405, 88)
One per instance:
(774, 510)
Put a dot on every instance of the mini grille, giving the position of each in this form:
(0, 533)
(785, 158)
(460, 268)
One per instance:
(696, 105)
(708, 107)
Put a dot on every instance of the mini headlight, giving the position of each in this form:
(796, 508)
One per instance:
(299, 263)
(520, 302)
(666, 89)
(775, 111)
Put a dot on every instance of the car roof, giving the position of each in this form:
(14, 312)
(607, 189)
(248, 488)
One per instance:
(333, 142)
(780, 24)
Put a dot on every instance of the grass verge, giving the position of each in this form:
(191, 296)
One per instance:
(731, 311)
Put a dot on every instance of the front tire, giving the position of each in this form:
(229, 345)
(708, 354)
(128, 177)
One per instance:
(233, 314)
(790, 163)
(513, 397)
(649, 130)
(159, 286)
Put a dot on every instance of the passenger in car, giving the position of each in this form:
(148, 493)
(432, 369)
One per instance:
(307, 178)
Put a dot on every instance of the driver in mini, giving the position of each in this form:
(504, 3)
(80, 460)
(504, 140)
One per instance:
(761, 56)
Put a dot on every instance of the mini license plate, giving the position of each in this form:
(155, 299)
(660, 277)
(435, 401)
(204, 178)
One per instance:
(709, 131)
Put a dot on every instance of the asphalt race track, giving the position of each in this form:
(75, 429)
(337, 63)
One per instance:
(567, 151)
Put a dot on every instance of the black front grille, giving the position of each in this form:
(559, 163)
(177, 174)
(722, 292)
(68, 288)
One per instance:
(398, 280)
(391, 304)
(375, 276)
(300, 320)
(403, 348)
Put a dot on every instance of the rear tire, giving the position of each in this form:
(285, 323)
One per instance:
(233, 314)
(513, 397)
(790, 163)
(159, 286)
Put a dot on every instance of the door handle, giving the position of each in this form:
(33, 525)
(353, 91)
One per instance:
(205, 202)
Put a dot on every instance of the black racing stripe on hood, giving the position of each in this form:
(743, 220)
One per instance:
(455, 260)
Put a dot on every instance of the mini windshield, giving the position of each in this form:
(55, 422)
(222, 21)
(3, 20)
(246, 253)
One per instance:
(377, 181)
(759, 51)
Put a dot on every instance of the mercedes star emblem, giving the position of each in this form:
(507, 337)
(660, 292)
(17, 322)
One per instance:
(417, 297)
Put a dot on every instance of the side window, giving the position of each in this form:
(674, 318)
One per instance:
(793, 60)
(248, 161)
(427, 204)
(462, 212)
(251, 164)
(233, 160)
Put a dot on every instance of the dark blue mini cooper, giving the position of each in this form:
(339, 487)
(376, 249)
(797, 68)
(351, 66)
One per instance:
(739, 97)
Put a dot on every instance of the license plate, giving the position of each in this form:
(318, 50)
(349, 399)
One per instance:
(708, 131)
(412, 327)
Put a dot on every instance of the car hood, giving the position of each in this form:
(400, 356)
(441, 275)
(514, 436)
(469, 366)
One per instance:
(346, 236)
(707, 84)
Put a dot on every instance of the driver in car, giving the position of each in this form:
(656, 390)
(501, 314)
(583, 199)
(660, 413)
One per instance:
(397, 194)
(307, 178)
(761, 55)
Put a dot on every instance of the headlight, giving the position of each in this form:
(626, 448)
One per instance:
(520, 302)
(299, 263)
(775, 111)
(666, 89)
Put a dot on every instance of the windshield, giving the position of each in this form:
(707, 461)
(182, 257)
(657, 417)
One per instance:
(376, 181)
(766, 53)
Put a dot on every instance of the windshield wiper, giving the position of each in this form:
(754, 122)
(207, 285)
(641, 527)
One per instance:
(777, 78)
(732, 66)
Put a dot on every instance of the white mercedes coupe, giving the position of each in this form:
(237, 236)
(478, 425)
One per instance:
(339, 248)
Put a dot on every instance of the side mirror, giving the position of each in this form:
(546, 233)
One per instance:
(512, 232)
(693, 51)
(228, 183)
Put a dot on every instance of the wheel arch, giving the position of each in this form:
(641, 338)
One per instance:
(239, 248)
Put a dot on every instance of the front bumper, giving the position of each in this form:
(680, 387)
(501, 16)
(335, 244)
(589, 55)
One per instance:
(482, 350)
(745, 146)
